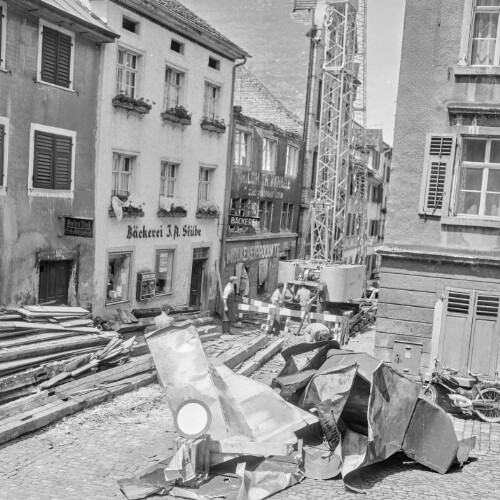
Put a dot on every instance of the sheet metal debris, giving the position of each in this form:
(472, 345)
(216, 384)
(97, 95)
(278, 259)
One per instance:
(366, 412)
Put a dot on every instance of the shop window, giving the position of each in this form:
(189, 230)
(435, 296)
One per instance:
(164, 271)
(269, 149)
(56, 55)
(53, 160)
(241, 206)
(118, 288)
(174, 88)
(168, 179)
(266, 215)
(122, 174)
(3, 32)
(126, 72)
(211, 101)
(287, 217)
(242, 148)
(292, 160)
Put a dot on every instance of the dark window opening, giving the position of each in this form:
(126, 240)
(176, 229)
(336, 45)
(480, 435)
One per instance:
(213, 63)
(129, 25)
(177, 46)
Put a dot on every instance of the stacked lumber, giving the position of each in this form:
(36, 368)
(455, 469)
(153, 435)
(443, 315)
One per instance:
(39, 342)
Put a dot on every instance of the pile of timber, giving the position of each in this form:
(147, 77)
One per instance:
(38, 342)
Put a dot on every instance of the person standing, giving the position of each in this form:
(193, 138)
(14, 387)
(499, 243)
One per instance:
(228, 299)
(303, 297)
(277, 299)
(321, 297)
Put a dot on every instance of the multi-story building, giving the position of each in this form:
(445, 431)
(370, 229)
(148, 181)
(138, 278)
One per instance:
(48, 121)
(164, 108)
(265, 188)
(440, 277)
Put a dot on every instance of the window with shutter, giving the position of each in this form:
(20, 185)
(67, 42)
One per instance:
(2, 142)
(436, 180)
(56, 54)
(52, 161)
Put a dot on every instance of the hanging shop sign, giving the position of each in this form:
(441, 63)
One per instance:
(169, 231)
(239, 220)
(78, 226)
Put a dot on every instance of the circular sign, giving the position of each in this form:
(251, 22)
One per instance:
(192, 419)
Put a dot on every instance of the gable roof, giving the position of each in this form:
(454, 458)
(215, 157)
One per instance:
(258, 102)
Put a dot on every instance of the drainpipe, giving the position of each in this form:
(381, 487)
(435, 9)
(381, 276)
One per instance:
(229, 175)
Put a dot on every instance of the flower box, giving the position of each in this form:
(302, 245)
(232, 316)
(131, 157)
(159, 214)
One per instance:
(128, 212)
(179, 212)
(213, 128)
(177, 114)
(139, 106)
(206, 215)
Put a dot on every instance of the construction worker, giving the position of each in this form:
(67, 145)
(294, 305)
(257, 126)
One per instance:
(229, 312)
(321, 297)
(303, 297)
(277, 299)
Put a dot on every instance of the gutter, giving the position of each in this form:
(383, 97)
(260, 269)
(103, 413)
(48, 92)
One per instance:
(229, 172)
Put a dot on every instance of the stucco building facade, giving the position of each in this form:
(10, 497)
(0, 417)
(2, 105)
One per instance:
(440, 279)
(48, 122)
(164, 112)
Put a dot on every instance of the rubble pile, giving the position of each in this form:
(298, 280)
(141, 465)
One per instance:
(331, 413)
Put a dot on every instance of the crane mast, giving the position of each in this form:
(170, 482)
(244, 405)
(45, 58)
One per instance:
(343, 103)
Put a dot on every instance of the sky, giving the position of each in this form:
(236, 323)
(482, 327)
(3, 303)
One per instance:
(276, 40)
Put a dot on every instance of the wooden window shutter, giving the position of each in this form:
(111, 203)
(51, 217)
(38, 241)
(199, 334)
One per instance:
(56, 57)
(43, 162)
(2, 148)
(62, 164)
(436, 178)
(63, 60)
(49, 55)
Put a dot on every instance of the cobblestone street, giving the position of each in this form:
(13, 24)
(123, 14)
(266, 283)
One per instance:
(84, 455)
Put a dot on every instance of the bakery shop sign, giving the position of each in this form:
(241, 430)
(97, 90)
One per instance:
(169, 231)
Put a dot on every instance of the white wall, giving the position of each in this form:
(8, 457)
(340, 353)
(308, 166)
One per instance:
(153, 140)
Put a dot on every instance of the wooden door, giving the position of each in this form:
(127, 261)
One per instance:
(196, 283)
(54, 282)
(485, 335)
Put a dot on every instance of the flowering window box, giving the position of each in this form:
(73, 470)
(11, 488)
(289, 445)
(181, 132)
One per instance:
(175, 212)
(179, 114)
(139, 106)
(128, 212)
(205, 213)
(213, 125)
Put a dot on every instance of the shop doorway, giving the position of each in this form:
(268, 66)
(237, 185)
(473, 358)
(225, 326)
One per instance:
(200, 257)
(54, 282)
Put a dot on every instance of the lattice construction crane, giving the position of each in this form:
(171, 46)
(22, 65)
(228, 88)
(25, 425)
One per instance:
(342, 104)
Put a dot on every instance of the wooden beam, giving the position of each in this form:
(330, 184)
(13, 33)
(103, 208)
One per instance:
(261, 357)
(241, 353)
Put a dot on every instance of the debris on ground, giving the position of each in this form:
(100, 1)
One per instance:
(337, 412)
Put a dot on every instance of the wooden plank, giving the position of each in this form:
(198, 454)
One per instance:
(388, 325)
(205, 330)
(261, 357)
(35, 338)
(40, 417)
(433, 284)
(123, 316)
(210, 337)
(134, 367)
(407, 313)
(254, 448)
(241, 353)
(56, 309)
(53, 347)
(22, 364)
(410, 298)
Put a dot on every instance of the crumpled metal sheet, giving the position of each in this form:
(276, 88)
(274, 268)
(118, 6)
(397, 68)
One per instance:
(241, 408)
(270, 477)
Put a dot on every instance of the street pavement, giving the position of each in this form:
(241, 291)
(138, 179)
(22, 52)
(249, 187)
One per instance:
(81, 457)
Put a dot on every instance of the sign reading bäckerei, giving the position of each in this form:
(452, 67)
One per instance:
(77, 226)
(239, 220)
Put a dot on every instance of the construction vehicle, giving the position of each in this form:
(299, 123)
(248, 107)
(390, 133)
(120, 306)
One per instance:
(341, 168)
